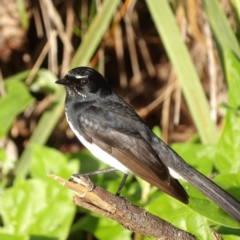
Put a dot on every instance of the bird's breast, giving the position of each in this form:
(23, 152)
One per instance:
(96, 150)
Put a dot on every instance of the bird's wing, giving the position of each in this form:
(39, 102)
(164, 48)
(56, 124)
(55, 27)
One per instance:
(114, 129)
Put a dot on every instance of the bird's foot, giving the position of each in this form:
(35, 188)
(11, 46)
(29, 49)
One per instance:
(127, 199)
(83, 179)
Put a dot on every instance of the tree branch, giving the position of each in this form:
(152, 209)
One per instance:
(131, 217)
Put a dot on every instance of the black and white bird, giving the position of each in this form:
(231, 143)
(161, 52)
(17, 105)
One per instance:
(115, 134)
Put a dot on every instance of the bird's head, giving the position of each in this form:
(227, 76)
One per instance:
(85, 82)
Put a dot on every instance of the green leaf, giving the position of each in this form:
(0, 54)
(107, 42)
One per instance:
(18, 77)
(230, 182)
(157, 131)
(42, 131)
(228, 233)
(118, 232)
(230, 237)
(87, 223)
(37, 207)
(15, 102)
(89, 162)
(180, 58)
(47, 160)
(199, 156)
(98, 226)
(3, 156)
(6, 236)
(180, 216)
(227, 151)
(44, 82)
(204, 206)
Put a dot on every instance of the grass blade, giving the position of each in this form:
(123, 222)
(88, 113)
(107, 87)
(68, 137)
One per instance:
(223, 34)
(184, 68)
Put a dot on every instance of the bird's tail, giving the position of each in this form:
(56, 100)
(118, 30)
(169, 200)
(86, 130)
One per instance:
(223, 199)
(172, 160)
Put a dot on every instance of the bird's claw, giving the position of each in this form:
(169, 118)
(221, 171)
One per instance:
(127, 199)
(83, 179)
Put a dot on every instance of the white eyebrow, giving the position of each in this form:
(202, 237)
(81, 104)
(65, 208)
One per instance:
(79, 76)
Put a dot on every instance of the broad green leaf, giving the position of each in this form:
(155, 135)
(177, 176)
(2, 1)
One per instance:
(198, 156)
(227, 151)
(87, 223)
(88, 162)
(3, 156)
(18, 77)
(228, 233)
(48, 160)
(44, 82)
(157, 131)
(98, 226)
(118, 232)
(9, 236)
(41, 132)
(201, 204)
(15, 102)
(229, 182)
(37, 207)
(183, 66)
(230, 237)
(204, 206)
(180, 216)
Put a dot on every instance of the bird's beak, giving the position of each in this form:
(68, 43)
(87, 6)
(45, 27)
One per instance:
(63, 81)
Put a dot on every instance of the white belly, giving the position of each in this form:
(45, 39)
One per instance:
(99, 153)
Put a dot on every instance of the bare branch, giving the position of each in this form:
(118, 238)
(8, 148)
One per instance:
(119, 209)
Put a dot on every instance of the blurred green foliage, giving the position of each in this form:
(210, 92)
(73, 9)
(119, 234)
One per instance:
(36, 207)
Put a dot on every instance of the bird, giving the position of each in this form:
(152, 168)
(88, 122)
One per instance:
(113, 132)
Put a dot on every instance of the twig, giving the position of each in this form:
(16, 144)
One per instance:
(67, 53)
(166, 107)
(212, 69)
(131, 217)
(101, 56)
(119, 47)
(143, 46)
(137, 78)
(143, 112)
(40, 59)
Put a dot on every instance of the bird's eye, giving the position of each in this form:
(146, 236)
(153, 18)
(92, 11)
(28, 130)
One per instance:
(84, 81)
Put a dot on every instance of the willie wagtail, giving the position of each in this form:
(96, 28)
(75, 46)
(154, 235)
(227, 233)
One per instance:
(115, 134)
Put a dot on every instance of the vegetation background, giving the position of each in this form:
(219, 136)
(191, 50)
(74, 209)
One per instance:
(176, 62)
